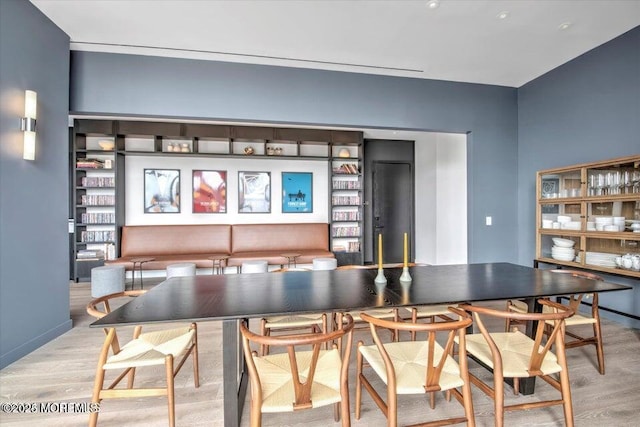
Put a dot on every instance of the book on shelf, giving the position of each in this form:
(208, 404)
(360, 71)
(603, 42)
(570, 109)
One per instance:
(351, 247)
(98, 181)
(347, 168)
(90, 254)
(90, 163)
(346, 231)
(350, 184)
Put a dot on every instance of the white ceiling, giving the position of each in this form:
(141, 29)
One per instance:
(461, 40)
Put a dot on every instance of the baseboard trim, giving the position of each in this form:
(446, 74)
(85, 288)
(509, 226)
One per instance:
(34, 343)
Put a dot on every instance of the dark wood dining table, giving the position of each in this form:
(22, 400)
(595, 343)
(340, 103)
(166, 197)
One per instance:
(232, 298)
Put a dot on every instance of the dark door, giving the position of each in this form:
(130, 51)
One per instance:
(392, 209)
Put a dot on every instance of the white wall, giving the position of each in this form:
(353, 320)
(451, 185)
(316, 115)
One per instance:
(451, 199)
(135, 166)
(441, 198)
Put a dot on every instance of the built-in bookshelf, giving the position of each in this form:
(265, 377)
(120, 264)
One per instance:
(346, 202)
(100, 149)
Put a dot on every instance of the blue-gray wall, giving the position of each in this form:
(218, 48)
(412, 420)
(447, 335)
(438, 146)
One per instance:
(34, 265)
(585, 110)
(166, 87)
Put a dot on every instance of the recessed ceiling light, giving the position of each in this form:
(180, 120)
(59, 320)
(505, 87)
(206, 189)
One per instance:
(564, 26)
(433, 4)
(503, 15)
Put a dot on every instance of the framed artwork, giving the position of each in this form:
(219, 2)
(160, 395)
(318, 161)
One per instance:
(297, 192)
(209, 191)
(161, 191)
(254, 192)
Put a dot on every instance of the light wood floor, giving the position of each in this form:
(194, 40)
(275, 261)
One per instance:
(63, 371)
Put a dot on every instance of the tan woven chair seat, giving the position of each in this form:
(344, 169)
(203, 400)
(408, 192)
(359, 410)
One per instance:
(383, 313)
(576, 319)
(277, 383)
(430, 310)
(516, 349)
(410, 364)
(293, 321)
(151, 348)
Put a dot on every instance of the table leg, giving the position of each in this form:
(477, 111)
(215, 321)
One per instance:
(141, 283)
(528, 385)
(235, 376)
(133, 276)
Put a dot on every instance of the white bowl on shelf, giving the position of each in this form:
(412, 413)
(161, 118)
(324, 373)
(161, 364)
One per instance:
(563, 257)
(106, 145)
(563, 243)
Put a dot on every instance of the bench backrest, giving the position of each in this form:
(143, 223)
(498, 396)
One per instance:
(142, 240)
(283, 237)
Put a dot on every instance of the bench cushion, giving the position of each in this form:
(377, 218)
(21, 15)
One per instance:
(175, 240)
(279, 237)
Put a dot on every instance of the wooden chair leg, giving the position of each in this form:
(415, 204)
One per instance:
(468, 404)
(359, 360)
(414, 319)
(264, 349)
(95, 398)
(168, 363)
(325, 329)
(256, 414)
(194, 358)
(597, 332)
(392, 407)
(345, 409)
(131, 377)
(498, 389)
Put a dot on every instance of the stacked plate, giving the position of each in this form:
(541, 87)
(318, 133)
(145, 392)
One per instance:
(601, 259)
(563, 249)
(602, 222)
(570, 225)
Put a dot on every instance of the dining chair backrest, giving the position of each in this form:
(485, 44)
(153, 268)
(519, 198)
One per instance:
(430, 363)
(302, 366)
(576, 299)
(556, 315)
(432, 330)
(100, 307)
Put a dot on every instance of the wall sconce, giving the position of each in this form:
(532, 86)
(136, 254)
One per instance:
(28, 125)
